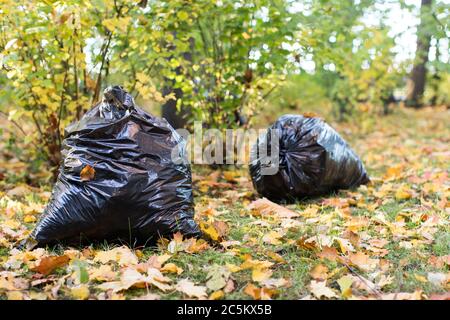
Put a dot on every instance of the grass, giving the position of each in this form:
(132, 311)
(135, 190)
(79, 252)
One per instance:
(412, 139)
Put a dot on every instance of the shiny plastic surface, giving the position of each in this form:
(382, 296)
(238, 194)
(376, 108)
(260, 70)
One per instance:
(313, 160)
(138, 193)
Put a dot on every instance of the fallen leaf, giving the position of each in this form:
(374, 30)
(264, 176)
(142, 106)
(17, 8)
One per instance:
(233, 268)
(14, 295)
(148, 296)
(384, 281)
(362, 261)
(319, 272)
(253, 291)
(217, 277)
(87, 173)
(46, 265)
(259, 293)
(172, 268)
(102, 273)
(266, 207)
(80, 292)
(329, 253)
(29, 219)
(215, 230)
(403, 193)
(319, 289)
(155, 278)
(260, 274)
(19, 191)
(217, 295)
(229, 287)
(420, 278)
(437, 278)
(38, 295)
(230, 176)
(272, 237)
(190, 289)
(310, 245)
(443, 296)
(197, 245)
(439, 262)
(345, 284)
(132, 278)
(250, 263)
(275, 256)
(275, 283)
(122, 255)
(230, 243)
(416, 295)
(345, 245)
(393, 173)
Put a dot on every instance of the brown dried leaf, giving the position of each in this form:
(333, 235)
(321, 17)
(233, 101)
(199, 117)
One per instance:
(319, 272)
(266, 207)
(46, 265)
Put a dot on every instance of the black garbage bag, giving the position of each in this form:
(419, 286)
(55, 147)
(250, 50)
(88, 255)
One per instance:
(313, 160)
(124, 177)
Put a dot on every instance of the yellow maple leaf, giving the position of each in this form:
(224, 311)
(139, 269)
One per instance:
(171, 268)
(80, 292)
(216, 295)
(29, 219)
(319, 289)
(14, 295)
(266, 207)
(272, 237)
(260, 274)
(102, 273)
(345, 284)
(319, 272)
(403, 193)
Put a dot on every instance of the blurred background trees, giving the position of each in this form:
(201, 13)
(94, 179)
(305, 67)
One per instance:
(222, 62)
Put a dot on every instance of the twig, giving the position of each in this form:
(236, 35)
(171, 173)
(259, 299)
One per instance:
(269, 92)
(13, 122)
(61, 105)
(99, 78)
(374, 290)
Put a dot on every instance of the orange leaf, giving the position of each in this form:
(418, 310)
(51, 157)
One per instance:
(46, 265)
(266, 207)
(259, 293)
(87, 174)
(216, 230)
(319, 272)
(197, 246)
(253, 291)
(329, 253)
(362, 261)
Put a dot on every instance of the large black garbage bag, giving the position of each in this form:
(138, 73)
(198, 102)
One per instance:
(131, 188)
(313, 160)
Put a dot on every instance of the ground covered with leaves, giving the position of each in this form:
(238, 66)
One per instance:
(387, 240)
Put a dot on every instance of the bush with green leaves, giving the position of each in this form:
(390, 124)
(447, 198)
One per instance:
(226, 56)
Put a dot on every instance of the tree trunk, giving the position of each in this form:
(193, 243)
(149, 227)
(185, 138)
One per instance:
(419, 72)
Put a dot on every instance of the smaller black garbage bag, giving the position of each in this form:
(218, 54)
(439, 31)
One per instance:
(124, 177)
(310, 159)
